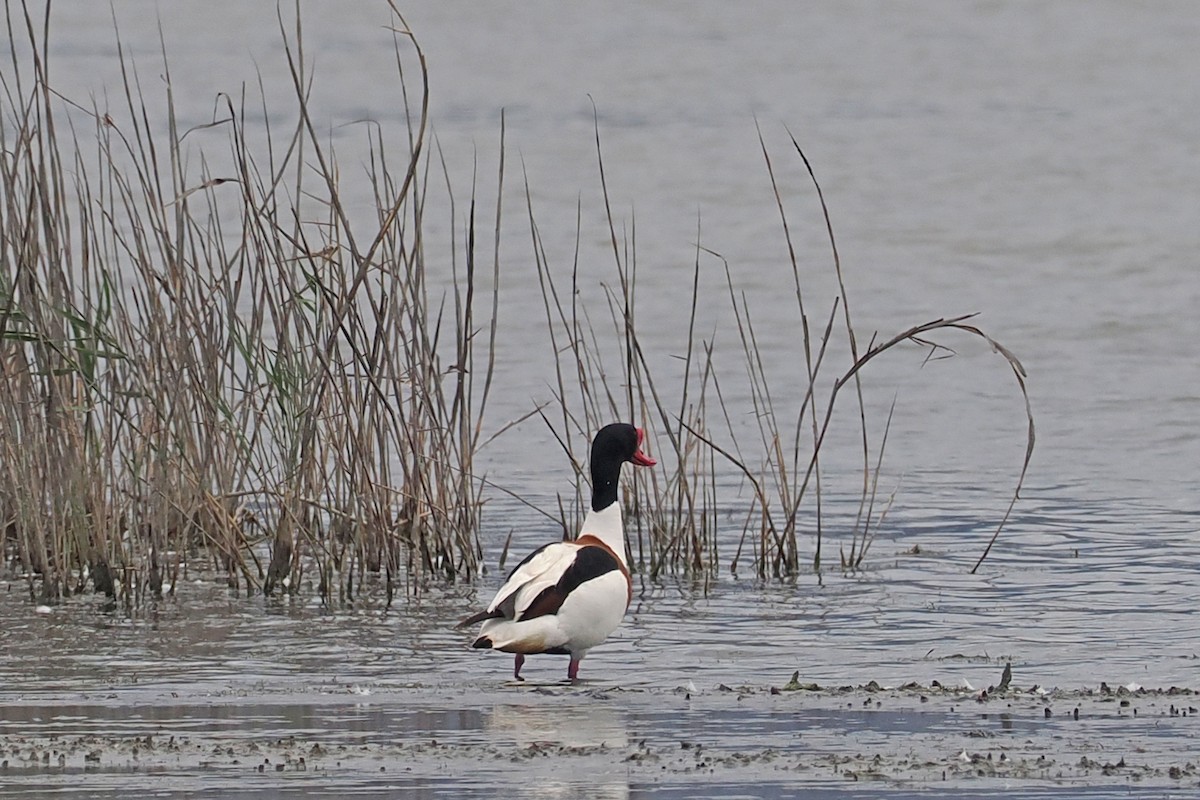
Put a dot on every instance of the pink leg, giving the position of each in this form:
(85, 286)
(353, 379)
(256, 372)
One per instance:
(519, 662)
(573, 669)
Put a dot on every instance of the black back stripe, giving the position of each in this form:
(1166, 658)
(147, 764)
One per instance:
(590, 563)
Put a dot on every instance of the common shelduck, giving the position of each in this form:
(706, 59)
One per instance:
(567, 597)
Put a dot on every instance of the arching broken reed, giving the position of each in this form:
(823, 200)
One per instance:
(676, 509)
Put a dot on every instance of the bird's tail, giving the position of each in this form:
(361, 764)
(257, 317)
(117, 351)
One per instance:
(474, 619)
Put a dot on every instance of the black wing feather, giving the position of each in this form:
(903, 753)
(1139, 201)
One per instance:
(590, 562)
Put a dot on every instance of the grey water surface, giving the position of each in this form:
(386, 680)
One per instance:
(1036, 163)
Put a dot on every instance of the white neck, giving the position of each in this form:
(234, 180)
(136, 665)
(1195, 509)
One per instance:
(606, 526)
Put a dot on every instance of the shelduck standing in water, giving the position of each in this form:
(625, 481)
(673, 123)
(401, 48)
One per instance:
(567, 597)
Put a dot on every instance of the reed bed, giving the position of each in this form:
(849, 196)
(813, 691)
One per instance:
(221, 365)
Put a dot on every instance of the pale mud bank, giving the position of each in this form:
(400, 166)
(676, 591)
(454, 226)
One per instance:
(555, 740)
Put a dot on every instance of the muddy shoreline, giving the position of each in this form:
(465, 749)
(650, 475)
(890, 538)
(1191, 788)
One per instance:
(714, 697)
(769, 740)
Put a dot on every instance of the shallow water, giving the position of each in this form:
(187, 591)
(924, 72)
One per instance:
(488, 738)
(1034, 163)
(392, 699)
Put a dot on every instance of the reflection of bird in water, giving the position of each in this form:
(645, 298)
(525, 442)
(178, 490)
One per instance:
(567, 597)
(558, 726)
(585, 730)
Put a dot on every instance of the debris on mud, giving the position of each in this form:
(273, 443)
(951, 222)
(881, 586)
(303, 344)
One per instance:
(909, 735)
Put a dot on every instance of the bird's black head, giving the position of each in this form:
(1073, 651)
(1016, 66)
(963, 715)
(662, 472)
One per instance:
(613, 446)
